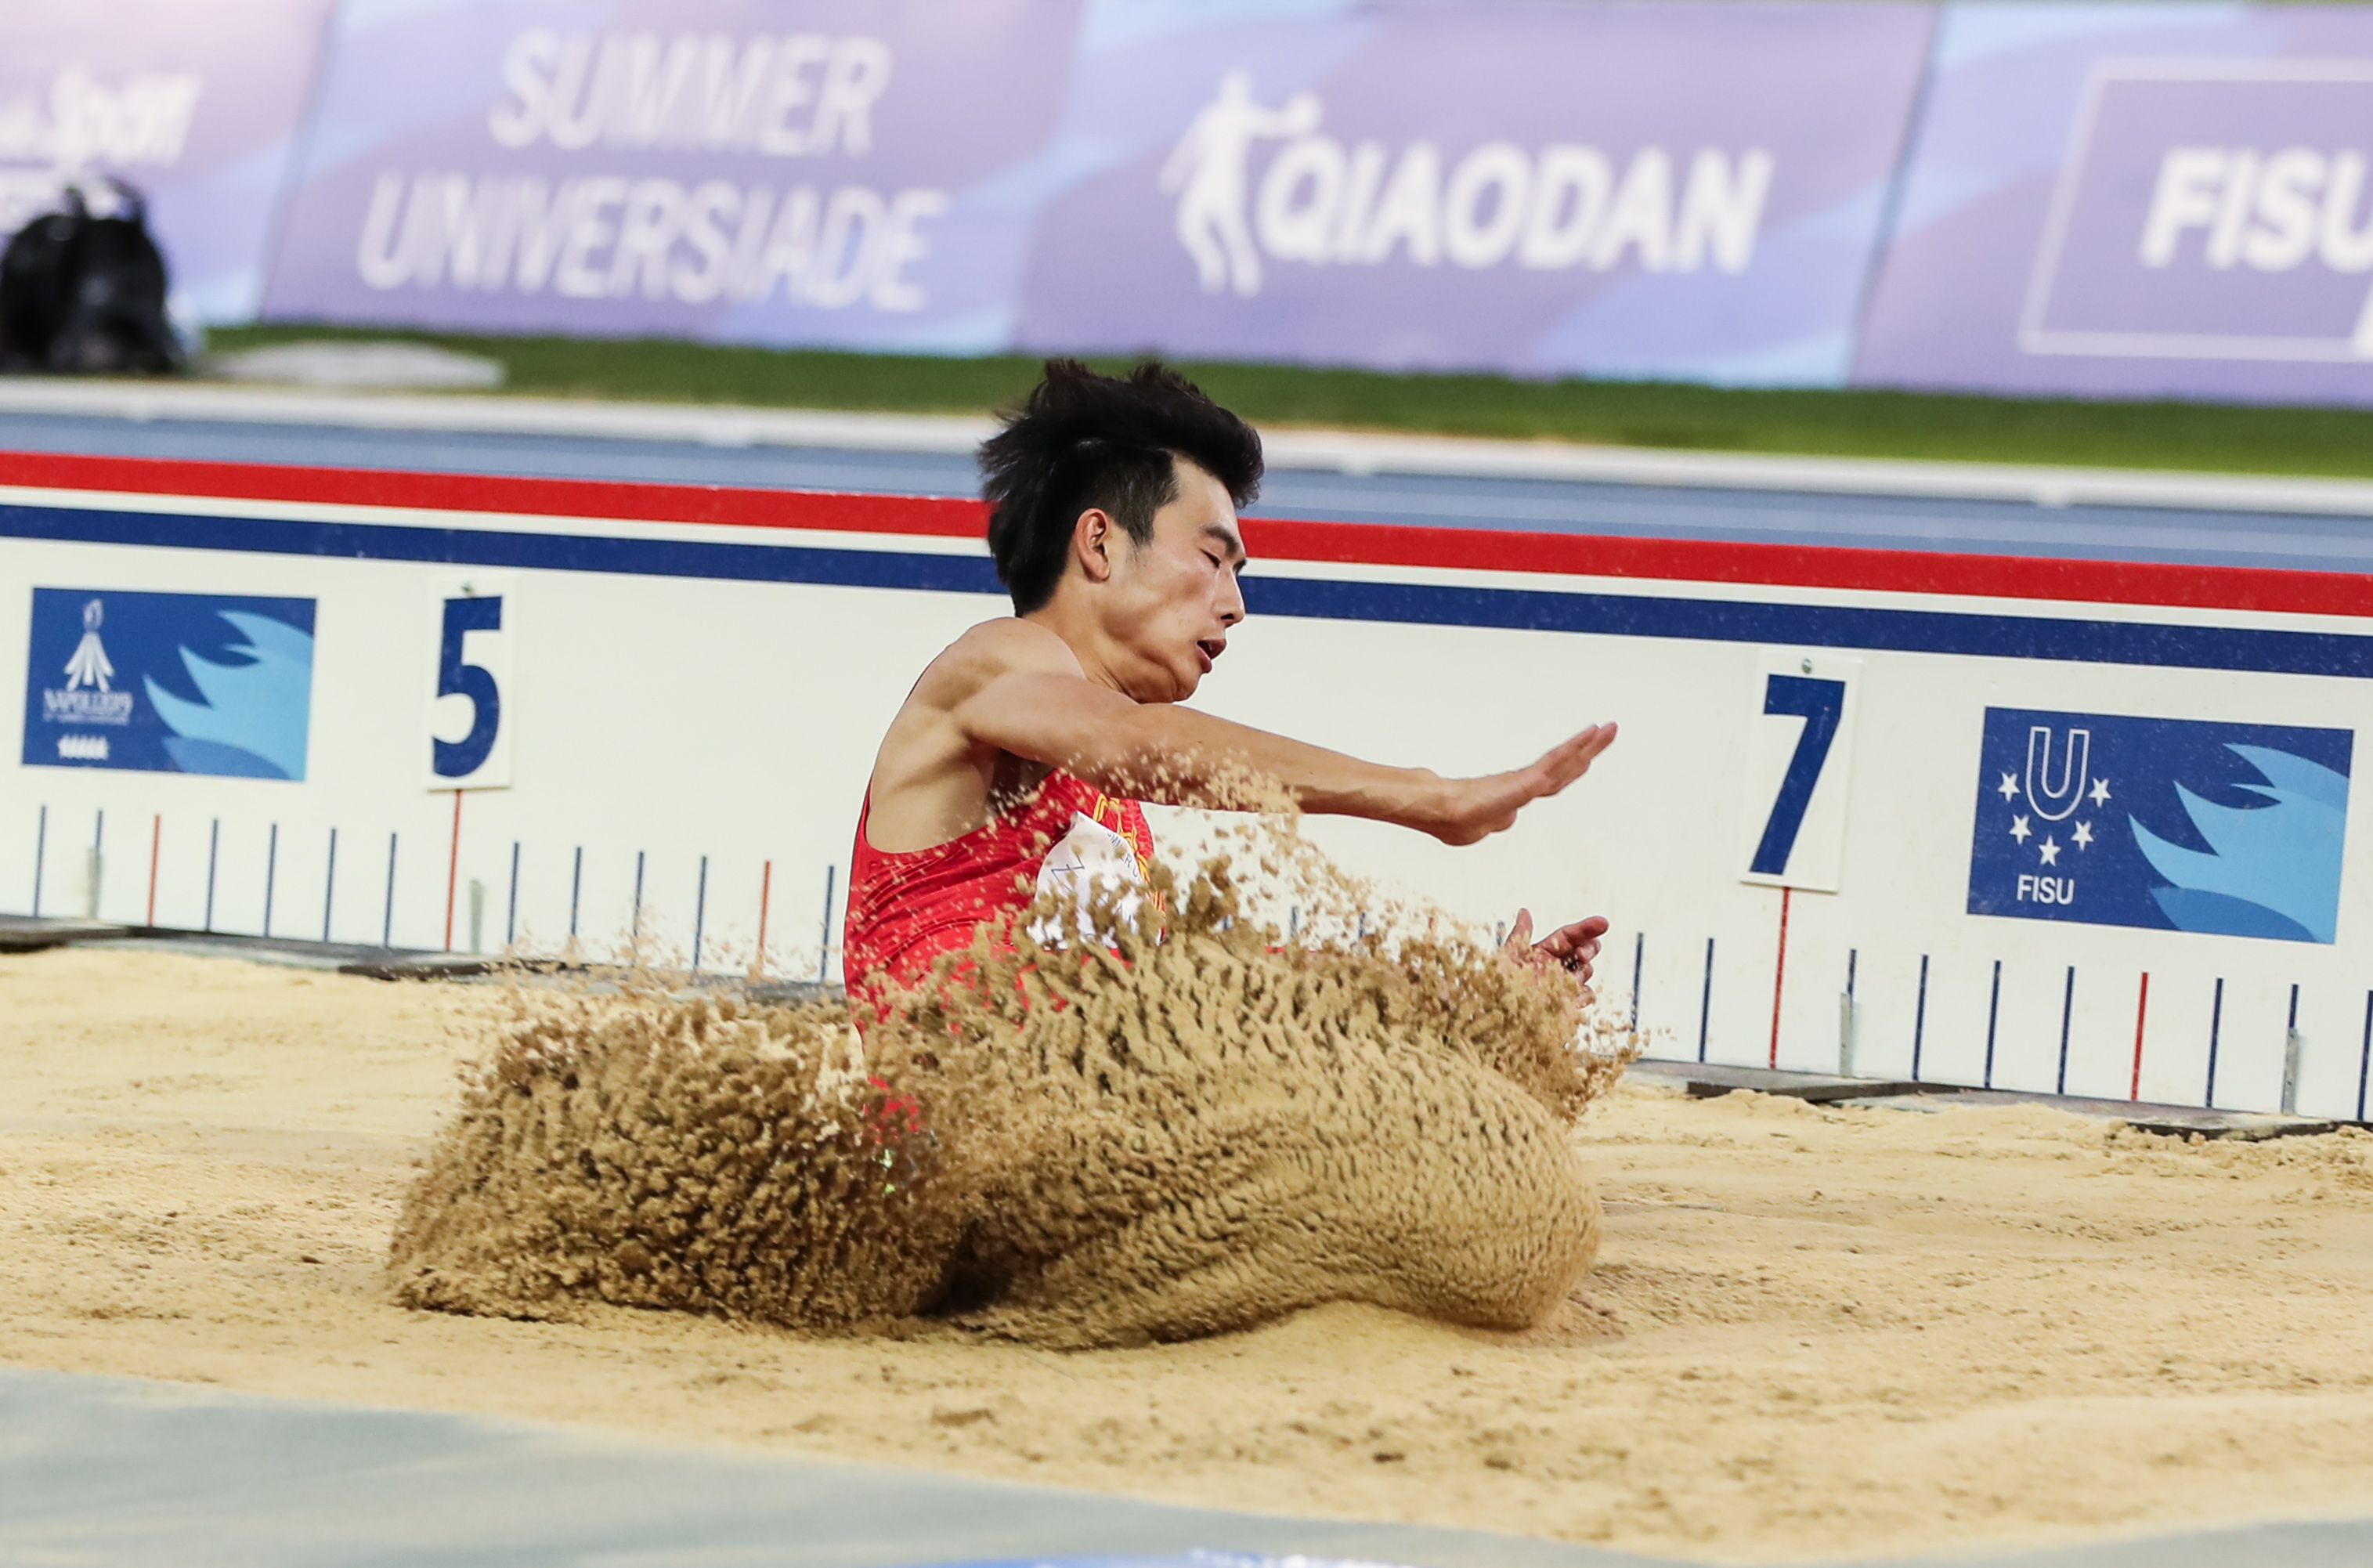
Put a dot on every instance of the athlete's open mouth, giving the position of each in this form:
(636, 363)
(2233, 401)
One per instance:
(1211, 647)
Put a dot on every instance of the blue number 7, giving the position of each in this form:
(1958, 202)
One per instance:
(459, 759)
(1820, 704)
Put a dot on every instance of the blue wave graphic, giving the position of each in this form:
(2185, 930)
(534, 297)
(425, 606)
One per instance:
(2269, 871)
(254, 718)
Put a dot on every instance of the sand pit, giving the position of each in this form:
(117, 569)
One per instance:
(1835, 1332)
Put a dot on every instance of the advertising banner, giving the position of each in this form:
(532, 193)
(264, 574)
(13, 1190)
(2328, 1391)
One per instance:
(1689, 191)
(170, 683)
(2137, 200)
(196, 106)
(844, 172)
(2165, 824)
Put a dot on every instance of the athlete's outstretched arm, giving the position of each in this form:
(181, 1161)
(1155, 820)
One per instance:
(1176, 756)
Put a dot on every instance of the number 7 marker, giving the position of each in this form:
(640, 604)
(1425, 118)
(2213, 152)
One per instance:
(1795, 845)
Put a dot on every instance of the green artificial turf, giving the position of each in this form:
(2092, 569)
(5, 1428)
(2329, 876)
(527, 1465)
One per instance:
(1640, 414)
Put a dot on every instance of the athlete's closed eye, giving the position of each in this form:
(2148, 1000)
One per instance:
(1229, 551)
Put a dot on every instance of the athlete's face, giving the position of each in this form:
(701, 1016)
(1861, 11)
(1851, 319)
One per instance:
(1177, 594)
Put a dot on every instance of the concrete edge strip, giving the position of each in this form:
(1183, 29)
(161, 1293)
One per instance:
(24, 933)
(1341, 451)
(28, 933)
(1706, 1081)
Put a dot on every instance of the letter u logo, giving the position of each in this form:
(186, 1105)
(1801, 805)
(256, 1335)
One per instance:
(2049, 801)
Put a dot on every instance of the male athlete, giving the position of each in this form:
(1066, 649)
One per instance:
(1018, 760)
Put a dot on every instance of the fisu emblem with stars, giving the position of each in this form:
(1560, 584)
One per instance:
(2166, 824)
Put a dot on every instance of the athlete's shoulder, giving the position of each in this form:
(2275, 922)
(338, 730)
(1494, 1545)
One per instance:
(1003, 647)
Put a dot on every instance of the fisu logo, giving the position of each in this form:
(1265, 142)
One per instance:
(2161, 823)
(1319, 203)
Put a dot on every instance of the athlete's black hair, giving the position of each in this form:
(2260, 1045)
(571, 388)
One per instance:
(1082, 440)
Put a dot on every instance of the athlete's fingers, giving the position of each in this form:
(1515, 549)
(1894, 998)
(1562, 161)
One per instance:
(1575, 937)
(1520, 935)
(1574, 946)
(1568, 761)
(1491, 802)
(1589, 929)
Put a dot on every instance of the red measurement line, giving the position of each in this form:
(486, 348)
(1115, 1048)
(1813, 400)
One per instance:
(2142, 1010)
(1778, 977)
(766, 892)
(156, 842)
(453, 871)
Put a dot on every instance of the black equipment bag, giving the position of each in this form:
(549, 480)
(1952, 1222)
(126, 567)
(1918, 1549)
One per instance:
(84, 294)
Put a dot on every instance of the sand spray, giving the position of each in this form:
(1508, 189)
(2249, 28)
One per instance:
(1194, 1125)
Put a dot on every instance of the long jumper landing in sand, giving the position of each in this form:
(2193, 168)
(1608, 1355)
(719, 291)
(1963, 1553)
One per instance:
(1092, 1105)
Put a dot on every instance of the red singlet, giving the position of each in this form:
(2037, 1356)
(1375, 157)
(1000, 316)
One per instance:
(905, 907)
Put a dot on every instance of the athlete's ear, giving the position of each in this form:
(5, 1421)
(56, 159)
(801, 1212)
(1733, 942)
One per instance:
(1091, 539)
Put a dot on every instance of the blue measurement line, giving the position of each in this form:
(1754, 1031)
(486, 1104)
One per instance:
(2364, 1061)
(1993, 1016)
(510, 917)
(1920, 1019)
(1705, 1002)
(824, 938)
(214, 846)
(329, 885)
(2290, 1057)
(634, 936)
(1639, 957)
(2216, 1029)
(41, 857)
(2067, 1015)
(270, 868)
(387, 914)
(699, 914)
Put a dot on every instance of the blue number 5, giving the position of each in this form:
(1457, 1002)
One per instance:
(459, 759)
(1820, 704)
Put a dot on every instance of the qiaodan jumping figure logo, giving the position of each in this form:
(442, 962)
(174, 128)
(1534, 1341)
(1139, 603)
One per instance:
(170, 683)
(2170, 823)
(1564, 205)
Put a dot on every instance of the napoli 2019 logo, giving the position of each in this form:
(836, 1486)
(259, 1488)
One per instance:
(170, 683)
(2169, 824)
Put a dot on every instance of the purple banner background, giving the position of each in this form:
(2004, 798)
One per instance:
(1688, 190)
(197, 105)
(776, 172)
(2078, 219)
(2105, 200)
(1165, 155)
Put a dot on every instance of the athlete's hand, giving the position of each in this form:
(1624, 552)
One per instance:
(1573, 948)
(1473, 809)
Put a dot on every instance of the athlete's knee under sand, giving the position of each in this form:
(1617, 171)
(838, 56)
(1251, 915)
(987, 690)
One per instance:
(1198, 1130)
